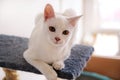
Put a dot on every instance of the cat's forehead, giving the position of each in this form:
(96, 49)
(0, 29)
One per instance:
(59, 21)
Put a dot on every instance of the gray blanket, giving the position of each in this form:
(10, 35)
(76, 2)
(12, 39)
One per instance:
(11, 56)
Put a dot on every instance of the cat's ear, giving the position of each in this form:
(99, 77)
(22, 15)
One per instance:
(74, 20)
(48, 12)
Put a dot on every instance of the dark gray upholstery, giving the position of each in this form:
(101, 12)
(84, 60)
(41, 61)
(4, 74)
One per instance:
(11, 56)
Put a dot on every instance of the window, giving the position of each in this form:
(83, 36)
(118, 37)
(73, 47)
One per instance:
(108, 37)
(110, 14)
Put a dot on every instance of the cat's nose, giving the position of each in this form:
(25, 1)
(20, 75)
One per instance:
(57, 38)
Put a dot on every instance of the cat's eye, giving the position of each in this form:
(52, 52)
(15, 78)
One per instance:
(65, 32)
(52, 29)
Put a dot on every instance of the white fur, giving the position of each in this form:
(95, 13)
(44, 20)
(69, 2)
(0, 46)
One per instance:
(43, 50)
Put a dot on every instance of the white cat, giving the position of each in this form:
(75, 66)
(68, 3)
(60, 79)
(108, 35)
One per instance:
(51, 41)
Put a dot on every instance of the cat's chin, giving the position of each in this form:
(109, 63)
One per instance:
(56, 44)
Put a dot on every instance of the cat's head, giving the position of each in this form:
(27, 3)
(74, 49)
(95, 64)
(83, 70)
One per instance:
(58, 28)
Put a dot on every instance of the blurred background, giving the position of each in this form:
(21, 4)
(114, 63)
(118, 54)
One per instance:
(99, 26)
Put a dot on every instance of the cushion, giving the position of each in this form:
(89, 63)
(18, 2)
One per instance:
(11, 56)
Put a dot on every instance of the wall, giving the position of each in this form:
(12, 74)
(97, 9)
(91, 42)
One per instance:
(17, 16)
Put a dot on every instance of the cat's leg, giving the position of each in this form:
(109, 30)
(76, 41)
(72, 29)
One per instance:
(58, 65)
(61, 79)
(64, 79)
(43, 67)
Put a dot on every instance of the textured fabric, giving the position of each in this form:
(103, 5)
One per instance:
(11, 56)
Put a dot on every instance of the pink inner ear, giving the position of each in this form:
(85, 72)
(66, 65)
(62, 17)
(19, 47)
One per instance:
(48, 12)
(74, 20)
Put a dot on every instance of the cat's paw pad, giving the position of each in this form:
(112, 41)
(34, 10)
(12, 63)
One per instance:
(58, 65)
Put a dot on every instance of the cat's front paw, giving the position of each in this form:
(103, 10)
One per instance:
(58, 65)
(52, 76)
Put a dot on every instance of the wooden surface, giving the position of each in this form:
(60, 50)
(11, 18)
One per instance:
(106, 66)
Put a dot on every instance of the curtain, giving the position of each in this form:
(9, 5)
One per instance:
(91, 19)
